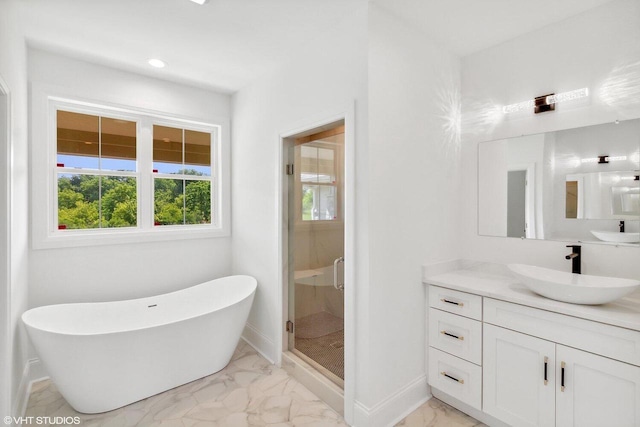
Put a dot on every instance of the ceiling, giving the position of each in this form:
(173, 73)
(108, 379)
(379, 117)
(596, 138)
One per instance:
(468, 26)
(223, 45)
(226, 44)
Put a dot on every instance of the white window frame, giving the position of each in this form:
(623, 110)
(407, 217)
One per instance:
(45, 180)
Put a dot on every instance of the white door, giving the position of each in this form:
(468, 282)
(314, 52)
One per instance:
(597, 391)
(514, 386)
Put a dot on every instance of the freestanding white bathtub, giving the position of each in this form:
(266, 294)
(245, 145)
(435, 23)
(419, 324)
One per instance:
(102, 356)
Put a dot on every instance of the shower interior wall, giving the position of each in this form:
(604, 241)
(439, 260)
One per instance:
(315, 248)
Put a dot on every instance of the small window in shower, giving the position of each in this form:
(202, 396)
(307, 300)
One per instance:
(319, 181)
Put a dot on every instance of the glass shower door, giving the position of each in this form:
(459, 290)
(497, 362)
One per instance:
(316, 246)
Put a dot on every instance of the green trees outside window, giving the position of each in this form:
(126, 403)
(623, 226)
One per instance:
(99, 179)
(182, 201)
(90, 201)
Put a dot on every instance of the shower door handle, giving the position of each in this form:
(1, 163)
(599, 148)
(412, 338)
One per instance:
(338, 286)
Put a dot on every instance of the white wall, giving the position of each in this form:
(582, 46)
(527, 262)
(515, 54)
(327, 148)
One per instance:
(598, 49)
(492, 200)
(13, 66)
(414, 144)
(326, 77)
(122, 271)
(406, 181)
(329, 75)
(5, 227)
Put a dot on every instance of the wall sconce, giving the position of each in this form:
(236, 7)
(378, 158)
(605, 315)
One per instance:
(603, 159)
(546, 102)
(542, 104)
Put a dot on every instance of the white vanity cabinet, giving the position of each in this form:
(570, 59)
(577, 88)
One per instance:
(528, 381)
(518, 378)
(598, 391)
(541, 368)
(455, 344)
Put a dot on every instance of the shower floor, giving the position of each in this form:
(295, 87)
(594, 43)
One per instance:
(320, 337)
(317, 325)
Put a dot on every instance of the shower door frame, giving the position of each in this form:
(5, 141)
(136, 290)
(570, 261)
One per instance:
(347, 115)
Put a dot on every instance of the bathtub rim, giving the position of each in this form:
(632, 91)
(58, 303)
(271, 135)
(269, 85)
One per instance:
(29, 325)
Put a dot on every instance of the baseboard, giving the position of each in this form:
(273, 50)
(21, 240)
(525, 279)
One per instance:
(33, 371)
(259, 341)
(395, 407)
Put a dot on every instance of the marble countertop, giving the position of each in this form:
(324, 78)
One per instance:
(496, 281)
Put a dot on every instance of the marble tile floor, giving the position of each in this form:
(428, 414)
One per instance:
(435, 413)
(248, 392)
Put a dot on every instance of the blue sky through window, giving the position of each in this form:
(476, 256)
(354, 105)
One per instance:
(86, 162)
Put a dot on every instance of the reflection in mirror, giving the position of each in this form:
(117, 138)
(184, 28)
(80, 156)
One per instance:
(571, 207)
(604, 195)
(562, 185)
(516, 203)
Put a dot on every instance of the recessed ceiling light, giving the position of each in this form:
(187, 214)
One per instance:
(200, 2)
(156, 63)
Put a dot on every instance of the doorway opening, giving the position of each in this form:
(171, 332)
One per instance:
(521, 205)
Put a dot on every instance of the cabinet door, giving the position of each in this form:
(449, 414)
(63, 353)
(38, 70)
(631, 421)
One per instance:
(597, 391)
(514, 387)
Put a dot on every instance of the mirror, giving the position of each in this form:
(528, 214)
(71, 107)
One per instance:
(575, 184)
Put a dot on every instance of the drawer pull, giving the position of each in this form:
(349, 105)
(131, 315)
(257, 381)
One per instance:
(546, 363)
(460, 304)
(562, 366)
(461, 338)
(452, 378)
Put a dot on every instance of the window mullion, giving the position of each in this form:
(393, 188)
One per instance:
(184, 181)
(145, 173)
(100, 169)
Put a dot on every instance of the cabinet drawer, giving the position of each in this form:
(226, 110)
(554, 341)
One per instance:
(456, 377)
(456, 335)
(605, 340)
(456, 302)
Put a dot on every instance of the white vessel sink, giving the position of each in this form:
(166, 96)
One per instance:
(573, 288)
(617, 237)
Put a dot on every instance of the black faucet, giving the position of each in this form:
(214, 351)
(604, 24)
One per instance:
(621, 225)
(575, 258)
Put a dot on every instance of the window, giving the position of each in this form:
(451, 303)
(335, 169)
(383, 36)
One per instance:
(117, 175)
(182, 182)
(318, 178)
(96, 171)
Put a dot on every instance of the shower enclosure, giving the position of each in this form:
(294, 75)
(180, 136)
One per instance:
(316, 248)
